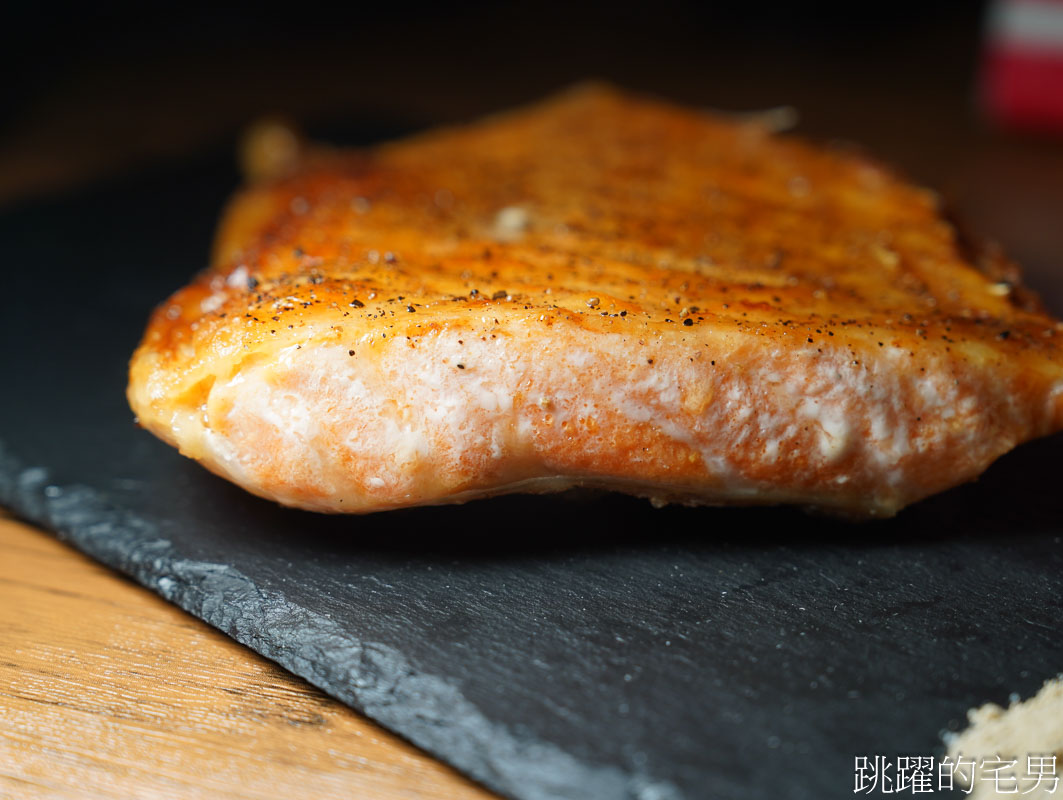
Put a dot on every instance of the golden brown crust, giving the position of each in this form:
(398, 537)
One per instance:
(655, 239)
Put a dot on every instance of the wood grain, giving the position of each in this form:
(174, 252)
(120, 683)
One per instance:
(107, 691)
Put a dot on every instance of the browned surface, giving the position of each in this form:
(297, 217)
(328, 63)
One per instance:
(671, 246)
(107, 691)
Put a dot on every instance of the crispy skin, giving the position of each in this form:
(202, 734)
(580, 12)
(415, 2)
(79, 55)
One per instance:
(598, 290)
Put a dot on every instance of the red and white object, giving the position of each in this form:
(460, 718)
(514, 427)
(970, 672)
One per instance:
(1022, 79)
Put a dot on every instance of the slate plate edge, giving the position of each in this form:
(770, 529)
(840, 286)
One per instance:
(374, 678)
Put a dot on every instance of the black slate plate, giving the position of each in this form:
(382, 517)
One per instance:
(580, 646)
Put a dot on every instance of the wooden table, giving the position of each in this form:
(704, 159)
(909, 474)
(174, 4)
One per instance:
(108, 691)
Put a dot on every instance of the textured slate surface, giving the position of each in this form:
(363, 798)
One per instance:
(583, 646)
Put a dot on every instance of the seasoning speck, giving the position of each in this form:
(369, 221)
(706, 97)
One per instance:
(511, 222)
(593, 302)
(1000, 289)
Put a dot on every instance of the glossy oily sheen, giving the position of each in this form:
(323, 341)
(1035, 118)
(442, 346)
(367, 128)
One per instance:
(598, 290)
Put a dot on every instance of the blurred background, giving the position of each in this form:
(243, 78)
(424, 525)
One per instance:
(960, 95)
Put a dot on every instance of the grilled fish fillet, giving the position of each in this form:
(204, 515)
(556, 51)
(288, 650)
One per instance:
(599, 290)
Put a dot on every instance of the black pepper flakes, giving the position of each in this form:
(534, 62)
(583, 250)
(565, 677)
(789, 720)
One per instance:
(688, 322)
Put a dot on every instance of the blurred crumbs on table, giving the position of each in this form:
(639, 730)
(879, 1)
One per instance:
(106, 690)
